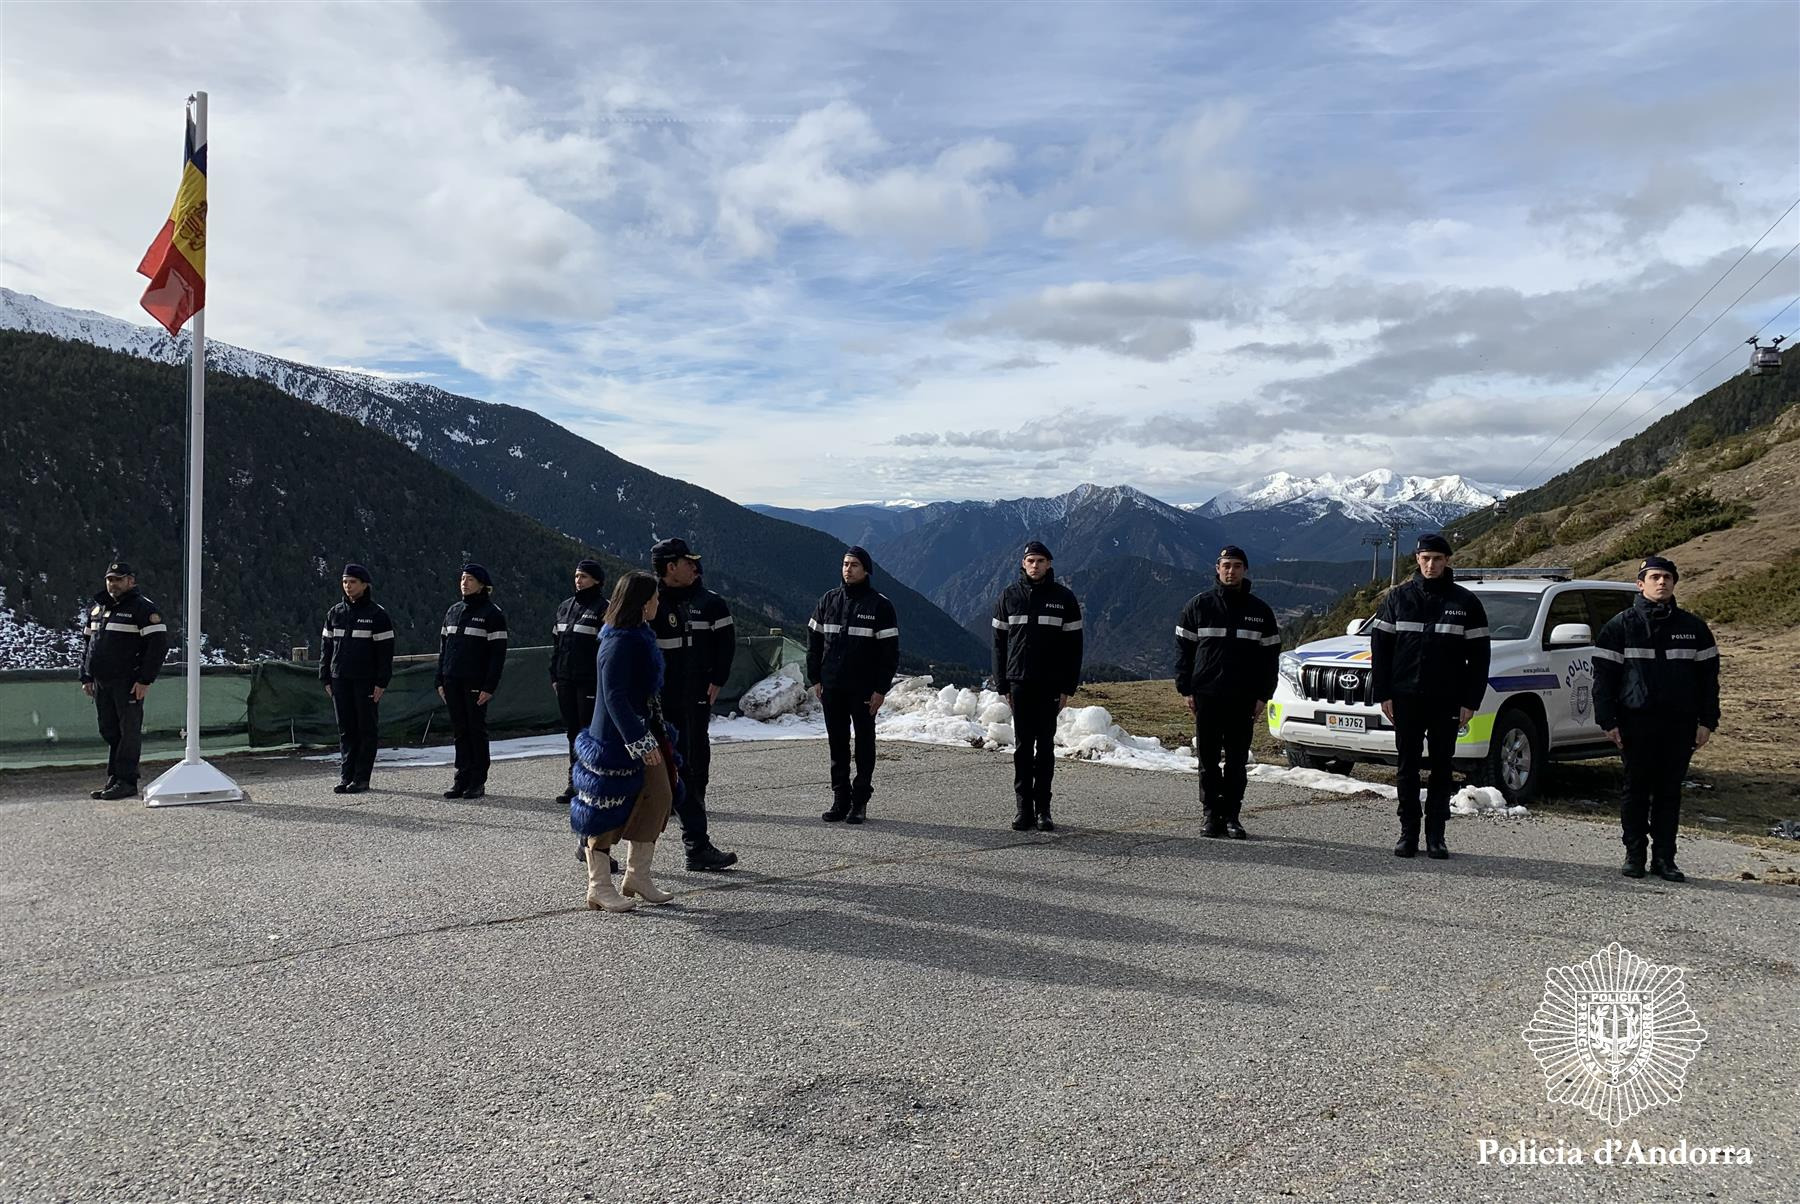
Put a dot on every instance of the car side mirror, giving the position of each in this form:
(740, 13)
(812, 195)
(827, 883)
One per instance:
(1571, 635)
(1354, 627)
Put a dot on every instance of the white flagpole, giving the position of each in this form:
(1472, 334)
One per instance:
(193, 780)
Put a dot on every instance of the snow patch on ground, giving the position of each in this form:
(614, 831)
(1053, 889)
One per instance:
(1318, 779)
(917, 712)
(1484, 800)
(500, 750)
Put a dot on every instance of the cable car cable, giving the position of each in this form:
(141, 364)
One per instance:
(1520, 474)
(1575, 446)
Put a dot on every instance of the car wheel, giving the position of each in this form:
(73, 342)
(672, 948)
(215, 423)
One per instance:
(1515, 758)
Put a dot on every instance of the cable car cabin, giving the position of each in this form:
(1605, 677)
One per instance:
(1765, 361)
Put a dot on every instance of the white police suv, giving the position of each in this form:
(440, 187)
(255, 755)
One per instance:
(1539, 705)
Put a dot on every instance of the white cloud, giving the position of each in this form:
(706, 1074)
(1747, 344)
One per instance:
(375, 196)
(799, 236)
(1151, 320)
(822, 171)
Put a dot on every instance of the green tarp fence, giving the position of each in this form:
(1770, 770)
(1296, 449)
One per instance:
(45, 719)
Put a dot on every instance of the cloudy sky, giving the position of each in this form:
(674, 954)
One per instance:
(815, 253)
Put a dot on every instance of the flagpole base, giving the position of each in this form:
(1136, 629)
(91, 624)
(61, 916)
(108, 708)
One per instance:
(189, 782)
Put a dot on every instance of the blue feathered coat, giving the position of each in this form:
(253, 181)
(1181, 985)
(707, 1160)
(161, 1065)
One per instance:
(609, 754)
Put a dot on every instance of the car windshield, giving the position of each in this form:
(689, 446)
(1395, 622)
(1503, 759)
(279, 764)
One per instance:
(1510, 615)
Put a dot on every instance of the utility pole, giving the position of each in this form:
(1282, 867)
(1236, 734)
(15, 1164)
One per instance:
(1394, 528)
(1374, 541)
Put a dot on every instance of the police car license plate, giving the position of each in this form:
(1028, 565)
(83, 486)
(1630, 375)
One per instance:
(1345, 723)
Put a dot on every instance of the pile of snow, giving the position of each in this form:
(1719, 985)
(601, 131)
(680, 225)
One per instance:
(781, 693)
(1484, 800)
(914, 711)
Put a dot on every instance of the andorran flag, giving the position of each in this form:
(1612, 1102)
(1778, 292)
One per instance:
(176, 261)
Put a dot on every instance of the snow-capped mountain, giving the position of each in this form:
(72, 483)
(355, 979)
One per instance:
(1327, 517)
(353, 394)
(1366, 498)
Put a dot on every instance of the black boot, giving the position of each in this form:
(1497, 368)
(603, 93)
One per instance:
(1634, 861)
(840, 809)
(1044, 822)
(118, 790)
(456, 789)
(1024, 820)
(1214, 825)
(566, 797)
(1408, 844)
(859, 811)
(1665, 868)
(1234, 828)
(357, 788)
(1434, 839)
(703, 858)
(479, 790)
(103, 789)
(341, 788)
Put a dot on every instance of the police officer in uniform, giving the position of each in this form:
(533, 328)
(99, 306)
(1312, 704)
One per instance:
(1037, 665)
(1430, 646)
(1228, 649)
(694, 630)
(126, 642)
(471, 653)
(1656, 695)
(852, 653)
(574, 649)
(356, 661)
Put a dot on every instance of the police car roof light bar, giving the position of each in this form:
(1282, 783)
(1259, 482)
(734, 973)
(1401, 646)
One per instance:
(1552, 573)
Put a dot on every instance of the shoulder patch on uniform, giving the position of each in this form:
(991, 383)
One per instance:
(155, 618)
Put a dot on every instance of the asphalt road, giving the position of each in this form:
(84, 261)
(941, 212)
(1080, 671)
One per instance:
(397, 997)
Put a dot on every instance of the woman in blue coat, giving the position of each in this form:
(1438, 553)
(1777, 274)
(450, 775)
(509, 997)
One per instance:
(624, 774)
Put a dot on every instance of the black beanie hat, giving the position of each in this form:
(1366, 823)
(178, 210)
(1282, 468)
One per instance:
(1037, 548)
(1232, 552)
(1433, 542)
(1658, 562)
(358, 572)
(480, 574)
(592, 568)
(862, 554)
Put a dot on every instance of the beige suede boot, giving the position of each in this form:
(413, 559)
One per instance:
(601, 895)
(637, 873)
